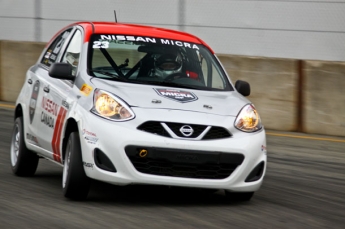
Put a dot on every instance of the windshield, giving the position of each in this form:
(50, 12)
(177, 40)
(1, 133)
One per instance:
(155, 61)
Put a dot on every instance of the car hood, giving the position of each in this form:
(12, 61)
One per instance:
(161, 97)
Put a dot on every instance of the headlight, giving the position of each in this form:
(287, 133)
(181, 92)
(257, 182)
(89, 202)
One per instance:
(248, 120)
(110, 106)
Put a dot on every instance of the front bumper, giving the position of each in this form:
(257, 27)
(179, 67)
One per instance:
(121, 141)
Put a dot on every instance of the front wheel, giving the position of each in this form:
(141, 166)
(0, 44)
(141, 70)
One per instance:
(75, 183)
(23, 161)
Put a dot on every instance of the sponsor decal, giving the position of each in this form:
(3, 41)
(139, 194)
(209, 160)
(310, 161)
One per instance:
(48, 53)
(32, 139)
(91, 140)
(89, 136)
(86, 89)
(47, 120)
(177, 95)
(50, 106)
(88, 165)
(263, 148)
(53, 57)
(50, 111)
(56, 141)
(86, 132)
(106, 39)
(65, 104)
(33, 100)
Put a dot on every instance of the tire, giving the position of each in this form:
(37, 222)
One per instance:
(238, 196)
(75, 183)
(23, 161)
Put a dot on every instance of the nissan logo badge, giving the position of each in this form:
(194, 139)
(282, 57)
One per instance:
(186, 130)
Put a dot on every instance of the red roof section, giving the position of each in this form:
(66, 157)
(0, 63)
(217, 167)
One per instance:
(136, 30)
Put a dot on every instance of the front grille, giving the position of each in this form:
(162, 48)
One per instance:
(216, 133)
(175, 127)
(155, 127)
(184, 163)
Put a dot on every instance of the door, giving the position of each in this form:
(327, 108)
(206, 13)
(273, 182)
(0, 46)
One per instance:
(49, 103)
(32, 121)
(58, 98)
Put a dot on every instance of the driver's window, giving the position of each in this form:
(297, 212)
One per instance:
(53, 51)
(73, 50)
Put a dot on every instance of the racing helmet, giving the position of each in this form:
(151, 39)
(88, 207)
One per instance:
(167, 64)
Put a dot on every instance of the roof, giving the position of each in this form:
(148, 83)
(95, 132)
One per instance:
(135, 30)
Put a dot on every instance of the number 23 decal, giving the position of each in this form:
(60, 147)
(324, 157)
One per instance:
(100, 44)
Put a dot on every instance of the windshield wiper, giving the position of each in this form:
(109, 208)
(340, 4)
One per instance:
(112, 75)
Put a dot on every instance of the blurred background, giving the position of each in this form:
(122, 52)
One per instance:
(299, 29)
(292, 52)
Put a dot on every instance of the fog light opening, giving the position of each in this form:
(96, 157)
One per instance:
(256, 173)
(102, 161)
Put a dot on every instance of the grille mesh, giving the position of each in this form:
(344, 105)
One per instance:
(154, 128)
(183, 163)
(166, 168)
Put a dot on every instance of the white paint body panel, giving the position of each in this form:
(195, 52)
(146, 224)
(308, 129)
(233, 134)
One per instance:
(113, 137)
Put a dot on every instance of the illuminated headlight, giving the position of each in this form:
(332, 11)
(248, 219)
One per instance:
(248, 120)
(110, 106)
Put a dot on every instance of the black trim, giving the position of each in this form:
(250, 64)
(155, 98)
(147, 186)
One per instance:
(183, 163)
(256, 173)
(102, 161)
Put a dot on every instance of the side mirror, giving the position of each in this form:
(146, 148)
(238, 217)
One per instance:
(242, 87)
(61, 71)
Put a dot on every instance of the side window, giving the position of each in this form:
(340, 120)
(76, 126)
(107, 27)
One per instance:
(211, 74)
(54, 49)
(73, 50)
(206, 70)
(217, 80)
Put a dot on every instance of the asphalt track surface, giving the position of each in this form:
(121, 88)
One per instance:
(304, 188)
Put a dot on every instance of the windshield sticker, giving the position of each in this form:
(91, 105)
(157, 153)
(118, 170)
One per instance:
(85, 89)
(176, 95)
(105, 39)
(47, 55)
(100, 44)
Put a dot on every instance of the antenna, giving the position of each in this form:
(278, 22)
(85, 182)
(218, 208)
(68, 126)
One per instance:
(115, 16)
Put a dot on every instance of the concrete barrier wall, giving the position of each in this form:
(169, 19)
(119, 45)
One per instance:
(324, 102)
(275, 84)
(273, 87)
(15, 60)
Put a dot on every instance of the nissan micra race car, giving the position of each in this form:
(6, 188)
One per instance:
(130, 104)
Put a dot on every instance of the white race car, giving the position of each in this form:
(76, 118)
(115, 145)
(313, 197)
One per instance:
(130, 104)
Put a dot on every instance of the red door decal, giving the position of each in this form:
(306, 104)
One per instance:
(56, 141)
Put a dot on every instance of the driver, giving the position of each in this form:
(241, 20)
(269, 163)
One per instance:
(167, 64)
